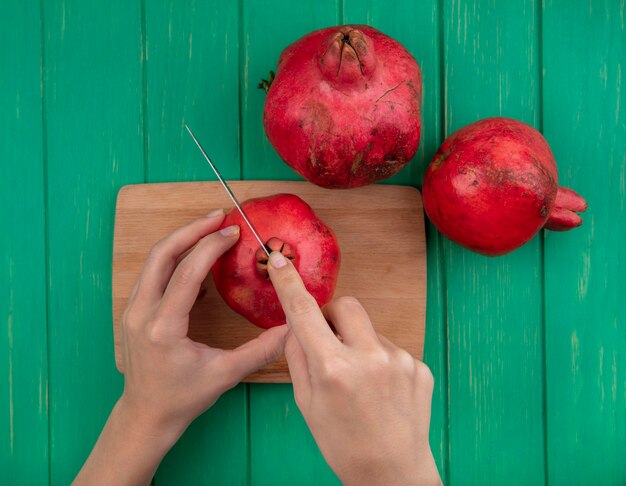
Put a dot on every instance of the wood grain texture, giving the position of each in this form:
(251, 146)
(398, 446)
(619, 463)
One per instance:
(393, 291)
(192, 76)
(494, 305)
(93, 103)
(417, 26)
(585, 123)
(23, 343)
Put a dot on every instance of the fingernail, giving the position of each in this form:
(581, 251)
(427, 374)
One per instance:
(215, 213)
(230, 230)
(277, 259)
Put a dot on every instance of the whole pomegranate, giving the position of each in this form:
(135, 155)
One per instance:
(344, 108)
(286, 224)
(493, 185)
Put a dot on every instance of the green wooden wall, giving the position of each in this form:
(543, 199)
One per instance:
(528, 350)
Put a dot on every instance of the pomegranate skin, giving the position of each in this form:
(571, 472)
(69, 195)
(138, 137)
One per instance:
(493, 185)
(344, 108)
(283, 221)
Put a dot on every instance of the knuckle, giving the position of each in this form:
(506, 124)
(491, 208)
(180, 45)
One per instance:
(341, 303)
(157, 252)
(379, 359)
(346, 300)
(210, 240)
(131, 320)
(424, 375)
(301, 305)
(332, 373)
(406, 362)
(185, 274)
(288, 279)
(156, 335)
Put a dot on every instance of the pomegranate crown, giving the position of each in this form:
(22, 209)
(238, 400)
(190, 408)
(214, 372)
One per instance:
(347, 56)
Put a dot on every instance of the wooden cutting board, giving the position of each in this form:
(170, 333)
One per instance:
(380, 229)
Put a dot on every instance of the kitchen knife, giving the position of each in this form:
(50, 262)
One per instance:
(230, 193)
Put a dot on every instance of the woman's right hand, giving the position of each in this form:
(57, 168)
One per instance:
(366, 401)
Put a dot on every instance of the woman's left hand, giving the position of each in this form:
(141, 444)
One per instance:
(169, 379)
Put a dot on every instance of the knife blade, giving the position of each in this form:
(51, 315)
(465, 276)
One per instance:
(229, 192)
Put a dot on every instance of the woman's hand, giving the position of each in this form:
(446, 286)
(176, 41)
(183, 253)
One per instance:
(169, 379)
(366, 401)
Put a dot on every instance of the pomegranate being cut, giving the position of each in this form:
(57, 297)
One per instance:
(493, 185)
(286, 224)
(344, 108)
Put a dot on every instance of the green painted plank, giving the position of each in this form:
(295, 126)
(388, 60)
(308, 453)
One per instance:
(436, 349)
(494, 305)
(23, 343)
(267, 28)
(584, 53)
(214, 449)
(283, 449)
(417, 26)
(93, 102)
(192, 76)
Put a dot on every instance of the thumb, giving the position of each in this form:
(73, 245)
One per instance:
(256, 354)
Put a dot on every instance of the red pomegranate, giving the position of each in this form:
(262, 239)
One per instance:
(493, 185)
(344, 108)
(286, 224)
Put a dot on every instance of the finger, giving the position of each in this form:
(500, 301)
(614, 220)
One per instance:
(301, 309)
(351, 322)
(182, 290)
(256, 354)
(299, 370)
(163, 256)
